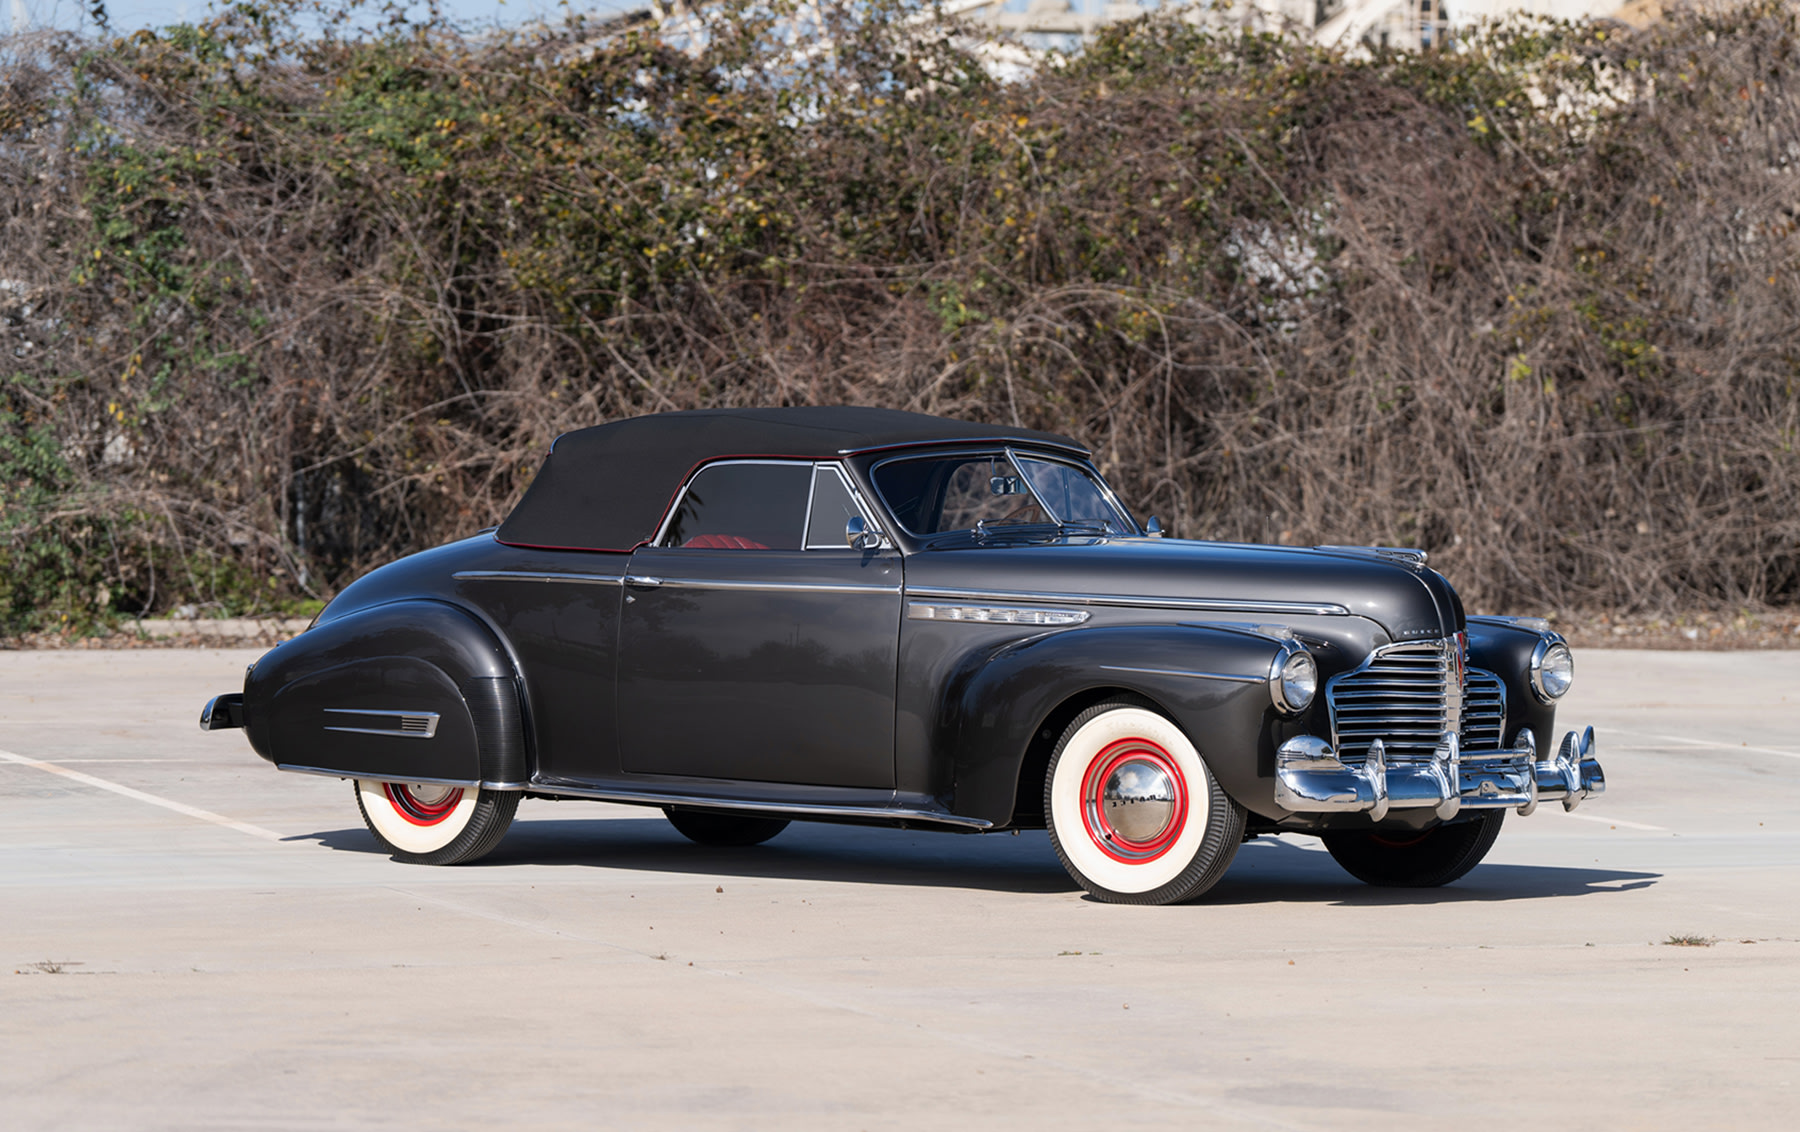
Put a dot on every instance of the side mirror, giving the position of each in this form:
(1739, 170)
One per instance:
(1153, 527)
(858, 536)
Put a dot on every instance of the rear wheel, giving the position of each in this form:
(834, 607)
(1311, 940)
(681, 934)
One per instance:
(429, 824)
(709, 827)
(1133, 812)
(1416, 860)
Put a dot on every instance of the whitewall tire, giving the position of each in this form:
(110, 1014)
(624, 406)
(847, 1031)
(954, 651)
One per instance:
(1133, 811)
(429, 824)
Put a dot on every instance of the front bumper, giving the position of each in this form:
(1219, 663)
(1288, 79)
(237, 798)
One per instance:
(1309, 778)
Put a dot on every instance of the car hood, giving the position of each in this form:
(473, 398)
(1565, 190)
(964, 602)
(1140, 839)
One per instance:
(1405, 598)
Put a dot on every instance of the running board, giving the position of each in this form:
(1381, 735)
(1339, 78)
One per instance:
(798, 809)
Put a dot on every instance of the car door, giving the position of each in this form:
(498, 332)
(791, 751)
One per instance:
(755, 644)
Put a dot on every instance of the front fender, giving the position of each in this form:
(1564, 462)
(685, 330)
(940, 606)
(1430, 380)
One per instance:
(406, 691)
(1213, 682)
(1504, 648)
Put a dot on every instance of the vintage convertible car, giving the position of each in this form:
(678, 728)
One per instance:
(747, 617)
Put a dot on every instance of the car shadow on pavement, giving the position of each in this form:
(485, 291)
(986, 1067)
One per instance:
(1276, 868)
(803, 851)
(1268, 869)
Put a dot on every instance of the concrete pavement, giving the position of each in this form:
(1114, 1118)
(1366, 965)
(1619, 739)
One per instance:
(200, 941)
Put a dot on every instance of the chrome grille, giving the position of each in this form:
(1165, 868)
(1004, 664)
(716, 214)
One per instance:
(1484, 711)
(1404, 695)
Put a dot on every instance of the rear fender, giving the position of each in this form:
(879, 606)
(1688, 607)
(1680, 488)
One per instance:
(410, 691)
(1212, 682)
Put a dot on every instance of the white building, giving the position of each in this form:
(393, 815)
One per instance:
(1398, 23)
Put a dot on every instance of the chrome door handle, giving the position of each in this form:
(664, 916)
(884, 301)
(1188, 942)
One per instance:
(642, 581)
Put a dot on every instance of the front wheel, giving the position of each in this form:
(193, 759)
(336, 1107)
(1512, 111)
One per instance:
(427, 824)
(1133, 811)
(1416, 860)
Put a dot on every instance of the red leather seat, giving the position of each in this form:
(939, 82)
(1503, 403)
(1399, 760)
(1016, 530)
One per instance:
(723, 542)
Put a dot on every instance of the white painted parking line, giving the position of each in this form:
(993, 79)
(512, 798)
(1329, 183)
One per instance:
(1619, 821)
(139, 795)
(66, 762)
(1703, 744)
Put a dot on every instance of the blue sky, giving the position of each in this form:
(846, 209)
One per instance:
(130, 15)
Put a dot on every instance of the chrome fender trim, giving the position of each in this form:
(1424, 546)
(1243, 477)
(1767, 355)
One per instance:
(537, 576)
(466, 783)
(413, 724)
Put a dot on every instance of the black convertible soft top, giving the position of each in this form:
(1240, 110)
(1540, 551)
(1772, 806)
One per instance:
(606, 488)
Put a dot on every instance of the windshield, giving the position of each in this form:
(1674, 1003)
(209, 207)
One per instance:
(1070, 494)
(992, 493)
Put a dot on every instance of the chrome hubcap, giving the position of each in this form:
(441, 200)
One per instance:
(1138, 800)
(429, 795)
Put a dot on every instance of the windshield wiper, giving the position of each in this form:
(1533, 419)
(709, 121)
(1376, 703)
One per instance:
(986, 529)
(1086, 527)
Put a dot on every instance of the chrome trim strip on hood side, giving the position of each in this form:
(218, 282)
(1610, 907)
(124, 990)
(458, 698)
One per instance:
(777, 587)
(1143, 601)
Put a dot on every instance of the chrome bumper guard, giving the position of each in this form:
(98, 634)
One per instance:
(1309, 779)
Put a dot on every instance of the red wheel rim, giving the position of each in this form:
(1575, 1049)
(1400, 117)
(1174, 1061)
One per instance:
(1101, 831)
(419, 811)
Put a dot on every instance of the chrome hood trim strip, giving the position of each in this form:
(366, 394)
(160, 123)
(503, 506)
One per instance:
(777, 587)
(1141, 601)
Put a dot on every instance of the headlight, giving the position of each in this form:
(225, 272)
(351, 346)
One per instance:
(1552, 670)
(1293, 681)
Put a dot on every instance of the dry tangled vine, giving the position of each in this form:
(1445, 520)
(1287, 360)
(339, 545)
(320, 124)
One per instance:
(278, 307)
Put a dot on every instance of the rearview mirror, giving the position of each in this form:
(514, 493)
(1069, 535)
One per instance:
(858, 536)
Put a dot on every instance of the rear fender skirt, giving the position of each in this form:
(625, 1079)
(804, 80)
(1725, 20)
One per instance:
(408, 691)
(1213, 682)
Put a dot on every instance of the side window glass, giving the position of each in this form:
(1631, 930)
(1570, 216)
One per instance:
(832, 508)
(742, 506)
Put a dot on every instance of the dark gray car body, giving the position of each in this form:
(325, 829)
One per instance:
(797, 682)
